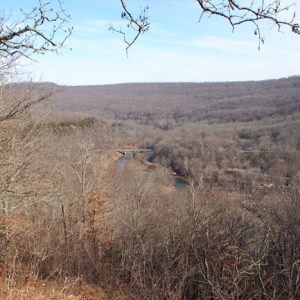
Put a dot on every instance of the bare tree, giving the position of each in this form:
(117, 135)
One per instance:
(41, 30)
(236, 12)
(44, 28)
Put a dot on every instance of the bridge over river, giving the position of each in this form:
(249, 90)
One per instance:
(128, 153)
(131, 151)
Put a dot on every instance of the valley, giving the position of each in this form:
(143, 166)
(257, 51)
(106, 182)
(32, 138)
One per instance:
(144, 191)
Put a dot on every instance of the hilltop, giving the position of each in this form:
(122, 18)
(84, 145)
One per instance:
(227, 101)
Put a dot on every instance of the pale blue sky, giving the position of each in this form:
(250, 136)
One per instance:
(177, 47)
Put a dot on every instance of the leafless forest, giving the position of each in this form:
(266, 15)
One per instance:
(75, 221)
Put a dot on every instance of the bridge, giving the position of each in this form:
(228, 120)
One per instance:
(125, 151)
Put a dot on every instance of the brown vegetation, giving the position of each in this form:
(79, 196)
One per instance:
(74, 227)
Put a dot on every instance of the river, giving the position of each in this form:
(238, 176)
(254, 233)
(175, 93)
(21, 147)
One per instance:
(178, 182)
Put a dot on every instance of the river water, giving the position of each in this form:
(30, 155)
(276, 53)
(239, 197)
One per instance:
(121, 163)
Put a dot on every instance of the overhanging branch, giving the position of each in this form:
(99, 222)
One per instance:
(139, 25)
(236, 13)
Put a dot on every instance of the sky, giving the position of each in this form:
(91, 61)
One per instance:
(177, 47)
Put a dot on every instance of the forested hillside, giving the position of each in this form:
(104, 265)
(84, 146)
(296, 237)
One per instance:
(208, 102)
(186, 124)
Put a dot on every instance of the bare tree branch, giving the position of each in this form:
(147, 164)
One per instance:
(257, 11)
(43, 29)
(139, 25)
(234, 11)
(22, 105)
